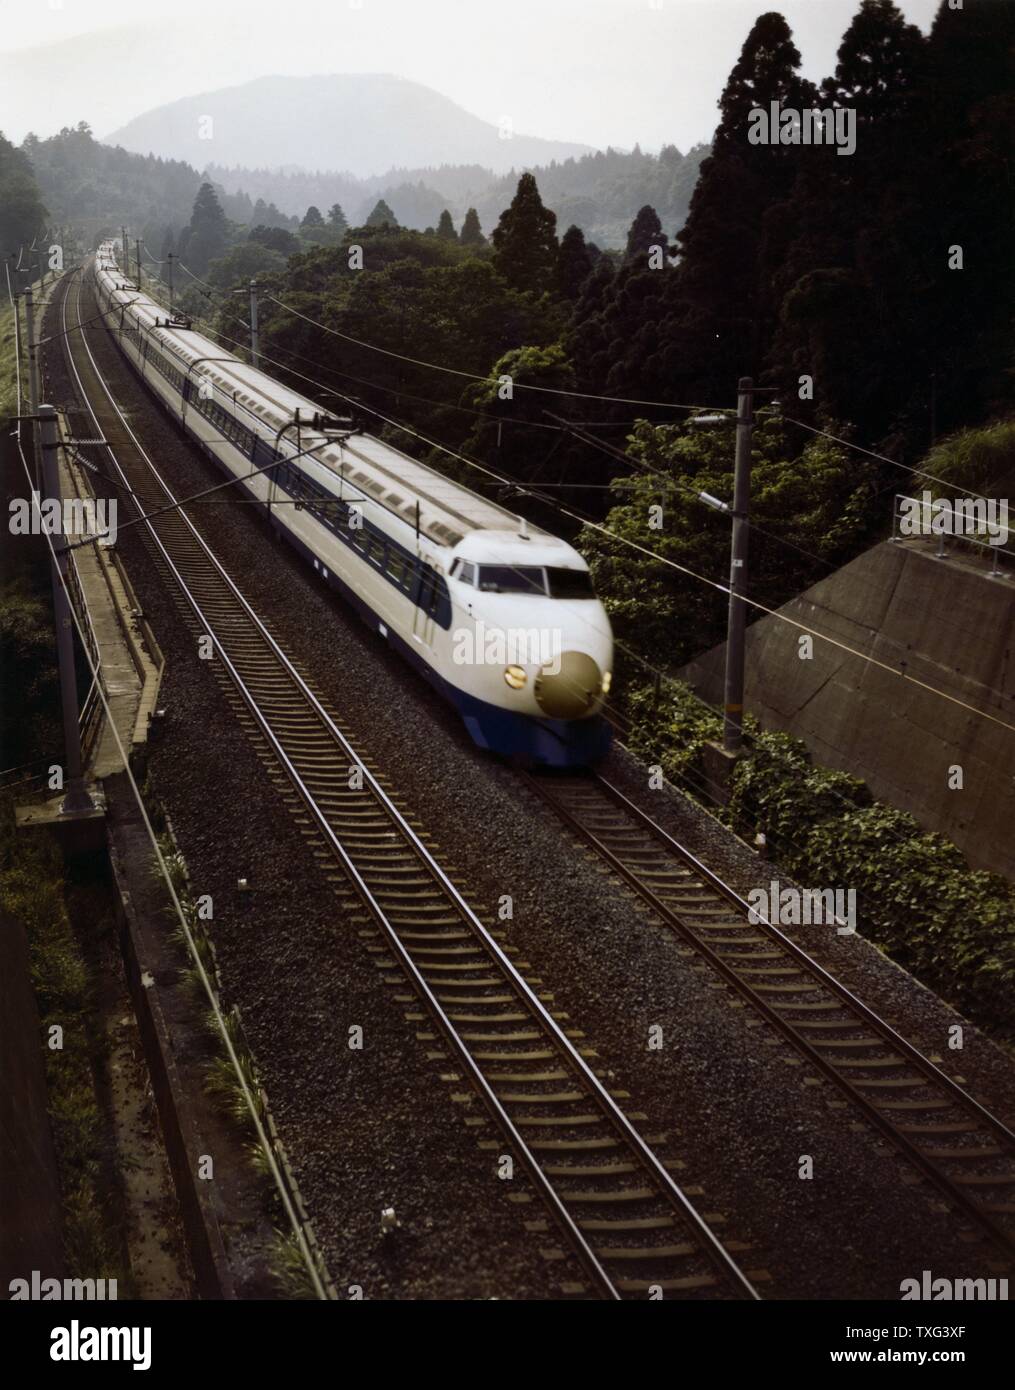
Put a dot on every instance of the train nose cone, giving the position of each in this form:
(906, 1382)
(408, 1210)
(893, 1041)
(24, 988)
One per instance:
(572, 690)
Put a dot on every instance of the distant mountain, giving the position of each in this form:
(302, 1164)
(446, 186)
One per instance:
(359, 123)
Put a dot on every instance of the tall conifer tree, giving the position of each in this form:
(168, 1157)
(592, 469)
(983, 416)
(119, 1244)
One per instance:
(525, 240)
(574, 263)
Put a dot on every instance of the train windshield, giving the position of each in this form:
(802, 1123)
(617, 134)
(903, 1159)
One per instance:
(570, 583)
(511, 579)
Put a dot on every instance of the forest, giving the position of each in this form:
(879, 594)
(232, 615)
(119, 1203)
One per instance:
(870, 296)
(600, 192)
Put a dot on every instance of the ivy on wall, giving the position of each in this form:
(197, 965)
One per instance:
(917, 898)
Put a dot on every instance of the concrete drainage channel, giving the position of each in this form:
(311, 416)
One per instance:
(229, 1212)
(223, 1200)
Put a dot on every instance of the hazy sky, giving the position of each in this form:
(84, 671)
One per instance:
(595, 71)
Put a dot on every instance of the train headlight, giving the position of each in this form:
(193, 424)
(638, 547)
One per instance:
(515, 676)
(607, 681)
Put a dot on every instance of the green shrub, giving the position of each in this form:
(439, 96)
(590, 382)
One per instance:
(917, 897)
(976, 460)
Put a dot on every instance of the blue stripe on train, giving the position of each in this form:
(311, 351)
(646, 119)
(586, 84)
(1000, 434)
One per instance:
(554, 742)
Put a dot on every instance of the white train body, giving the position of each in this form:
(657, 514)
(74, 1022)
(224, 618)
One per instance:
(498, 615)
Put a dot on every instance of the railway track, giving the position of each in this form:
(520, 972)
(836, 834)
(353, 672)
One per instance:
(954, 1142)
(609, 1192)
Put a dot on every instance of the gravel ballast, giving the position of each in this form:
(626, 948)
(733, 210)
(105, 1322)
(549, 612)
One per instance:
(378, 1127)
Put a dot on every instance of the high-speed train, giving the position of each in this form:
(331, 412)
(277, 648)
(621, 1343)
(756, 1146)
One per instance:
(498, 615)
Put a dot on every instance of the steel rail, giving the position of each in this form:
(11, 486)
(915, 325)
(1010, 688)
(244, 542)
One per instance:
(922, 1064)
(713, 1247)
(227, 1041)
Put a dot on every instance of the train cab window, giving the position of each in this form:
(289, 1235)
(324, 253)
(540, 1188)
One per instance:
(466, 572)
(570, 583)
(511, 579)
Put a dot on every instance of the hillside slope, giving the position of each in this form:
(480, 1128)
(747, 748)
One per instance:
(360, 123)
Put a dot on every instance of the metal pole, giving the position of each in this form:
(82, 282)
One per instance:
(255, 343)
(17, 339)
(77, 798)
(126, 254)
(733, 714)
(33, 379)
(137, 247)
(169, 262)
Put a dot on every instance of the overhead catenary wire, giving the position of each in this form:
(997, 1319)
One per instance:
(195, 954)
(407, 395)
(205, 493)
(667, 482)
(551, 1024)
(475, 376)
(673, 564)
(397, 390)
(559, 391)
(697, 786)
(576, 427)
(846, 443)
(214, 289)
(154, 259)
(883, 458)
(514, 484)
(612, 452)
(213, 1000)
(587, 395)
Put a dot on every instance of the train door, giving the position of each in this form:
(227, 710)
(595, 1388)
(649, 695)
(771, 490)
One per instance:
(425, 596)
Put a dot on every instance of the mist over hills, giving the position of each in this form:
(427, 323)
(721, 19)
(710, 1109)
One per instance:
(356, 123)
(351, 138)
(599, 192)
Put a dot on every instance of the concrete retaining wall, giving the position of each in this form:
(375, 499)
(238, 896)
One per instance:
(943, 622)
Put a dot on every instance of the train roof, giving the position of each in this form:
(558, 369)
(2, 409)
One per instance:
(448, 511)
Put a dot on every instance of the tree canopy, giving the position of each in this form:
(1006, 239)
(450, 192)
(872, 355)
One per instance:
(207, 235)
(22, 213)
(471, 233)
(446, 228)
(525, 240)
(382, 216)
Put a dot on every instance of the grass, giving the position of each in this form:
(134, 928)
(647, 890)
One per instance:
(8, 372)
(222, 1084)
(31, 890)
(289, 1268)
(980, 460)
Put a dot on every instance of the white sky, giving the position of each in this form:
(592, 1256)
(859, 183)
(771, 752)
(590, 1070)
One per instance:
(595, 71)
